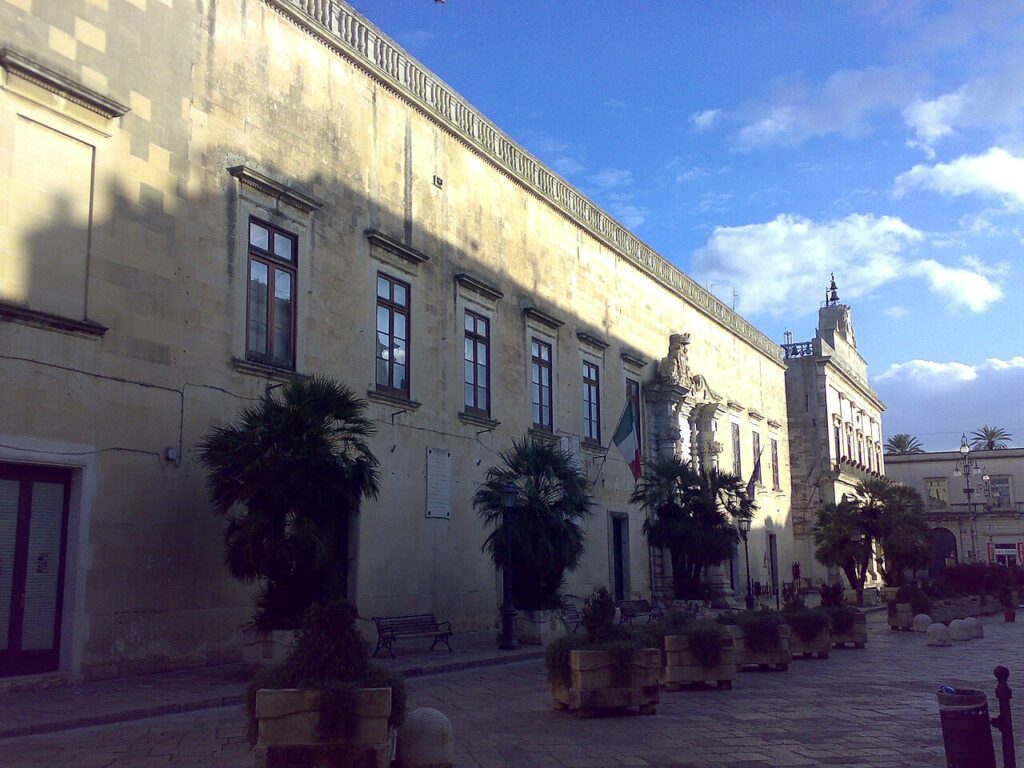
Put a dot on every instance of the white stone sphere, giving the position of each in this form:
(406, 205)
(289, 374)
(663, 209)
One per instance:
(425, 740)
(938, 634)
(975, 625)
(921, 622)
(960, 630)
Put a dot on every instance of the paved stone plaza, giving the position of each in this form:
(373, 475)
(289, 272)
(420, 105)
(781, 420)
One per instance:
(874, 707)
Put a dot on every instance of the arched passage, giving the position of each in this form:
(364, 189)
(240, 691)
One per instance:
(942, 546)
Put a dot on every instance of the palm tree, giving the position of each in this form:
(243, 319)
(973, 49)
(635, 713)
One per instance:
(545, 525)
(691, 513)
(990, 438)
(904, 534)
(288, 475)
(903, 444)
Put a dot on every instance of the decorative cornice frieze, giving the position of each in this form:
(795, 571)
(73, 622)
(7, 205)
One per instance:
(349, 34)
(632, 359)
(591, 340)
(543, 318)
(754, 415)
(392, 246)
(478, 286)
(275, 189)
(54, 82)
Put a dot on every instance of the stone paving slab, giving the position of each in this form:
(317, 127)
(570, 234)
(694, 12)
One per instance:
(133, 698)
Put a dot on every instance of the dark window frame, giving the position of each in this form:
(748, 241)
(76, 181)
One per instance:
(737, 460)
(273, 263)
(633, 393)
(755, 447)
(477, 339)
(538, 364)
(393, 308)
(591, 403)
(776, 477)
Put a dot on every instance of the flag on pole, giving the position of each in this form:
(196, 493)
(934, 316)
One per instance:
(753, 476)
(627, 440)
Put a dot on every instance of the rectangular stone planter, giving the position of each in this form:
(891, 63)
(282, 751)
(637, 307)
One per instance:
(777, 658)
(857, 636)
(942, 611)
(817, 647)
(288, 720)
(888, 594)
(263, 649)
(596, 687)
(902, 617)
(539, 627)
(679, 666)
(988, 605)
(961, 607)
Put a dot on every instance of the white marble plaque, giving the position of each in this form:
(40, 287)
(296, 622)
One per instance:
(439, 482)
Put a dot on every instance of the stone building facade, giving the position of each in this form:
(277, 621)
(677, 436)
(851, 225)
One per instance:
(835, 425)
(986, 525)
(198, 200)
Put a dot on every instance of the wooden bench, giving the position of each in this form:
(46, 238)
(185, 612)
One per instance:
(635, 609)
(392, 628)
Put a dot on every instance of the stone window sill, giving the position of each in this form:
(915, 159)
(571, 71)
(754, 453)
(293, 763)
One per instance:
(386, 398)
(478, 420)
(12, 313)
(252, 368)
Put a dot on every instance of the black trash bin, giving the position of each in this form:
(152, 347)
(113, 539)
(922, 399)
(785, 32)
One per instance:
(966, 731)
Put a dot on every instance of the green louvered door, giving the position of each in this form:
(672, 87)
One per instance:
(33, 543)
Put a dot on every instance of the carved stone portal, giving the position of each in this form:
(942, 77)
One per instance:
(682, 418)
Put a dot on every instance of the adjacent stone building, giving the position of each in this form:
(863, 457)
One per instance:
(835, 424)
(984, 525)
(198, 200)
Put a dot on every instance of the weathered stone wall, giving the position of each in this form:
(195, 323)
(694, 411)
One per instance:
(212, 86)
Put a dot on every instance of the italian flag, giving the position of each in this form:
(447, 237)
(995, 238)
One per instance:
(627, 440)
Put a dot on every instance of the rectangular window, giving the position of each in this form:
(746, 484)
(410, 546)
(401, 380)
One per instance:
(540, 384)
(591, 403)
(999, 492)
(270, 314)
(392, 355)
(737, 465)
(477, 364)
(776, 483)
(756, 442)
(839, 444)
(633, 398)
(937, 489)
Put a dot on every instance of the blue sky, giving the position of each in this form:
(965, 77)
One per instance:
(760, 146)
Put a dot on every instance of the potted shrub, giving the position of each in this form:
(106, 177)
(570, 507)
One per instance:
(849, 626)
(607, 667)
(327, 702)
(761, 639)
(809, 635)
(693, 652)
(909, 602)
(545, 526)
(288, 475)
(1009, 604)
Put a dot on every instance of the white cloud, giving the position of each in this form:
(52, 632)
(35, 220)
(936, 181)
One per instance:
(609, 178)
(937, 401)
(961, 287)
(705, 121)
(896, 312)
(995, 173)
(714, 202)
(783, 263)
(690, 174)
(630, 215)
(842, 105)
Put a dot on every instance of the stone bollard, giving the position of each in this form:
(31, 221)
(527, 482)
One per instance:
(975, 625)
(425, 740)
(938, 634)
(921, 622)
(960, 630)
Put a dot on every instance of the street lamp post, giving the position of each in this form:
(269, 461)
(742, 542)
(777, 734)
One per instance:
(965, 467)
(744, 525)
(509, 641)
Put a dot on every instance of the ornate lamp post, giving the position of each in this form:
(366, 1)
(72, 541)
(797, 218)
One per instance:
(744, 526)
(509, 641)
(966, 467)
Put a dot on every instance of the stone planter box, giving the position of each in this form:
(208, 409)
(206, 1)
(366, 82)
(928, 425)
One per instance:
(857, 636)
(817, 647)
(288, 720)
(942, 611)
(595, 687)
(961, 608)
(777, 658)
(679, 667)
(888, 594)
(988, 606)
(902, 618)
(539, 627)
(263, 649)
